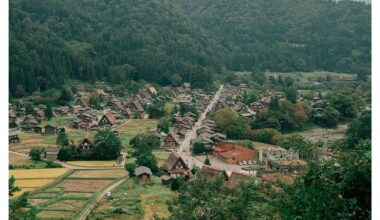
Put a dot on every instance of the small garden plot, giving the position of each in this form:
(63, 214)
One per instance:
(77, 195)
(55, 214)
(54, 189)
(35, 202)
(32, 183)
(84, 185)
(38, 173)
(67, 204)
(94, 163)
(99, 174)
(44, 195)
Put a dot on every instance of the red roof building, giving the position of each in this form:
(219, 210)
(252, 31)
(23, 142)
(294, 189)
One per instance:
(233, 153)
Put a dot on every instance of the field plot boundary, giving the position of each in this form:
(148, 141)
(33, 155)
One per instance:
(91, 203)
(56, 181)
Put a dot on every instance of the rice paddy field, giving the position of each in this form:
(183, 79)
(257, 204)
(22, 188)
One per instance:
(32, 179)
(138, 201)
(67, 196)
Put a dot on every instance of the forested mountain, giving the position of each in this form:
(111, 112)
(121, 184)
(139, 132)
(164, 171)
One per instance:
(171, 41)
(53, 40)
(288, 35)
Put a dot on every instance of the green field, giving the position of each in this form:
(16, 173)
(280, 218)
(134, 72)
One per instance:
(134, 127)
(138, 202)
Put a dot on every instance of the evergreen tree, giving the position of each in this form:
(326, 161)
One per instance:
(48, 112)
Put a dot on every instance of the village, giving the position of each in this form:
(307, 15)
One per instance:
(179, 119)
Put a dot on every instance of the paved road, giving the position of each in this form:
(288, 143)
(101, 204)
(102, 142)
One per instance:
(88, 209)
(184, 149)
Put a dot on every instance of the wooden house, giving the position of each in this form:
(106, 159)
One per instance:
(171, 141)
(39, 115)
(176, 166)
(127, 113)
(13, 137)
(107, 120)
(150, 89)
(50, 129)
(115, 105)
(87, 144)
(51, 153)
(86, 117)
(135, 106)
(62, 110)
(79, 124)
(143, 175)
(81, 102)
(29, 124)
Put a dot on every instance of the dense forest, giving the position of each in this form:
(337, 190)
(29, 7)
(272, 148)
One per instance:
(169, 41)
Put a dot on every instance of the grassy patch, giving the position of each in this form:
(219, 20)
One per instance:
(134, 127)
(139, 202)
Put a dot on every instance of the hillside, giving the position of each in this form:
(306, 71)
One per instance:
(288, 35)
(167, 42)
(53, 40)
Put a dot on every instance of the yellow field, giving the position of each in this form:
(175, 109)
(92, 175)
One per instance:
(31, 179)
(94, 163)
(32, 183)
(37, 173)
(99, 174)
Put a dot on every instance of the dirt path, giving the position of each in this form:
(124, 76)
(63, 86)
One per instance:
(88, 209)
(126, 122)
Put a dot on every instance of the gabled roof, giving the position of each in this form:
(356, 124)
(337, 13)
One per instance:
(52, 126)
(13, 133)
(29, 119)
(174, 136)
(138, 106)
(143, 170)
(172, 160)
(110, 117)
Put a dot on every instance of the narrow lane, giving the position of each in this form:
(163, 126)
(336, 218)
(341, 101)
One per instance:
(184, 149)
